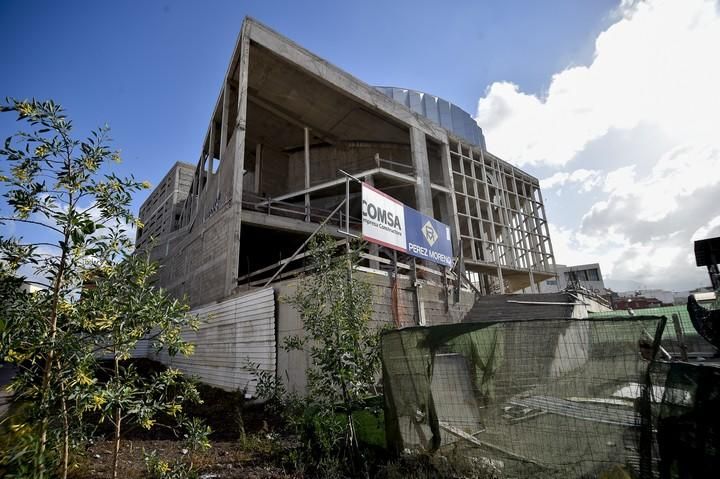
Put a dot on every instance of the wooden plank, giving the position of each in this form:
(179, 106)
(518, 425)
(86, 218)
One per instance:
(472, 439)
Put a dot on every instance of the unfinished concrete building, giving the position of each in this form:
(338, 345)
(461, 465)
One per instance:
(160, 213)
(285, 123)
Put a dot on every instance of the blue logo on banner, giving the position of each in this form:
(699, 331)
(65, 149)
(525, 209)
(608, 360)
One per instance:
(427, 238)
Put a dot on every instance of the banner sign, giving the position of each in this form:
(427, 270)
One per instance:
(427, 238)
(387, 222)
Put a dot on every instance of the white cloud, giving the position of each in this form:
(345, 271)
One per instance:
(656, 67)
(658, 64)
(711, 229)
(587, 179)
(573, 247)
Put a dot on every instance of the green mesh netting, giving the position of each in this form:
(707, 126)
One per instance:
(678, 334)
(544, 398)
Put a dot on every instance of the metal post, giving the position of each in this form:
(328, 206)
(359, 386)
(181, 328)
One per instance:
(347, 211)
(394, 292)
(680, 337)
(657, 340)
(307, 173)
(447, 289)
(258, 168)
(418, 299)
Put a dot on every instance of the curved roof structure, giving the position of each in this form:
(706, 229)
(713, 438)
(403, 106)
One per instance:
(449, 116)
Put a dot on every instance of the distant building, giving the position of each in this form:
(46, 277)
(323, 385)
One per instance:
(160, 213)
(636, 302)
(666, 298)
(588, 276)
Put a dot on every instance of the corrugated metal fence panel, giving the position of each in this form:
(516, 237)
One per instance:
(232, 334)
(143, 349)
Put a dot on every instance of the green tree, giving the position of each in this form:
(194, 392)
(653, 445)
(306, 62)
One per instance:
(336, 310)
(95, 298)
(121, 309)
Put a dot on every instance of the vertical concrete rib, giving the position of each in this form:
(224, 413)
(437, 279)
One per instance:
(538, 228)
(423, 195)
(449, 182)
(211, 148)
(224, 126)
(491, 217)
(547, 228)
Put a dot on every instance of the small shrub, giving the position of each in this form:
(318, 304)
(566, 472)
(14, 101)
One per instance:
(336, 310)
(195, 437)
(159, 468)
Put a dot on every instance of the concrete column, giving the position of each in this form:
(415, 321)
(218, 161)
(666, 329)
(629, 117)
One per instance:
(423, 194)
(203, 173)
(232, 265)
(211, 147)
(501, 280)
(533, 286)
(195, 190)
(538, 232)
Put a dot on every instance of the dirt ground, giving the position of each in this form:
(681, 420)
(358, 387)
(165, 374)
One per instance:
(256, 457)
(223, 460)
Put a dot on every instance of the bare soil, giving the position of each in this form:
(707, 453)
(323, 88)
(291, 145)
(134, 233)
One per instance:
(223, 460)
(229, 417)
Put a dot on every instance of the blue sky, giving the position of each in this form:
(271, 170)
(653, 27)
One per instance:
(152, 70)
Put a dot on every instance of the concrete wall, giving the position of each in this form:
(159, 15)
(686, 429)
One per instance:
(291, 366)
(272, 183)
(353, 157)
(193, 264)
(193, 259)
(589, 305)
(580, 272)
